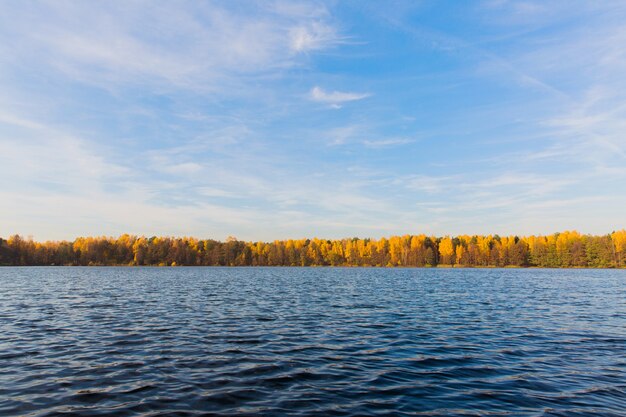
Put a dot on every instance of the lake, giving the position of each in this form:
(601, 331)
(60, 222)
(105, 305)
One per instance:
(311, 341)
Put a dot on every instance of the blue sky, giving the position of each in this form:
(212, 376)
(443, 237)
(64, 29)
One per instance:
(278, 119)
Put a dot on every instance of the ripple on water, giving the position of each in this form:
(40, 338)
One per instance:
(289, 341)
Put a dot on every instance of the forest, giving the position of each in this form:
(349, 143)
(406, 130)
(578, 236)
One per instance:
(568, 249)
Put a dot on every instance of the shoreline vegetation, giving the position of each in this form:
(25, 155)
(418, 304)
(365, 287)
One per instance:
(568, 249)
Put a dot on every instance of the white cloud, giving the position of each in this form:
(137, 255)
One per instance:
(201, 46)
(185, 168)
(341, 135)
(384, 143)
(426, 183)
(219, 150)
(314, 36)
(335, 98)
(34, 152)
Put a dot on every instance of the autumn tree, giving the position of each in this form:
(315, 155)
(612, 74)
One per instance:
(446, 251)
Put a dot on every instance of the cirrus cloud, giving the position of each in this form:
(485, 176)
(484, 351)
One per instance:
(335, 98)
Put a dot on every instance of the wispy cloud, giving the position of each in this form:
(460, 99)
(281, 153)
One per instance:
(44, 154)
(315, 36)
(185, 168)
(197, 46)
(385, 143)
(335, 98)
(212, 118)
(342, 135)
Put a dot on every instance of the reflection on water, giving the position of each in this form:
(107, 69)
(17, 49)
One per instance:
(290, 341)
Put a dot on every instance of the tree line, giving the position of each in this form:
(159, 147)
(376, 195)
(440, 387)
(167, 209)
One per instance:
(559, 250)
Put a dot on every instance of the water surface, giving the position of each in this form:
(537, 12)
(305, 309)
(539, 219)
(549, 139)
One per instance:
(298, 341)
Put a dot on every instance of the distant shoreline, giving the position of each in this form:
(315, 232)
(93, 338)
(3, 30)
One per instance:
(568, 250)
(441, 267)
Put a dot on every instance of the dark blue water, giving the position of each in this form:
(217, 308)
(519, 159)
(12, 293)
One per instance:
(289, 341)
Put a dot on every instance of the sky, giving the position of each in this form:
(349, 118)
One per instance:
(282, 119)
